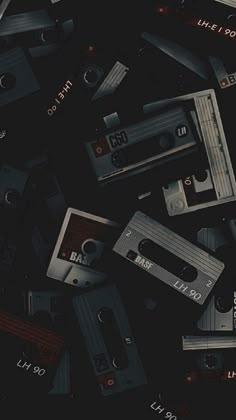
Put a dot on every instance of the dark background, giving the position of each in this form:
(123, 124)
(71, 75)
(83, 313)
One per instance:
(114, 28)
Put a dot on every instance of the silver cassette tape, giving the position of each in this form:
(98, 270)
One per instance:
(47, 306)
(16, 77)
(129, 150)
(79, 248)
(215, 184)
(220, 313)
(110, 344)
(170, 258)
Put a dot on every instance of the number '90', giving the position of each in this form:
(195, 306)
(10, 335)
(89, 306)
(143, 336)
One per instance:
(39, 371)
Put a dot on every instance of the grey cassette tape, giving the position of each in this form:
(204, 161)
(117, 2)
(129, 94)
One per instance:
(220, 313)
(34, 30)
(109, 340)
(215, 183)
(79, 248)
(48, 307)
(140, 146)
(170, 258)
(17, 79)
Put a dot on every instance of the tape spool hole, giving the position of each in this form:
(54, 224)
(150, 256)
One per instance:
(7, 81)
(211, 361)
(75, 281)
(223, 303)
(188, 273)
(201, 176)
(232, 18)
(119, 159)
(12, 198)
(105, 315)
(49, 36)
(92, 75)
(119, 362)
(89, 247)
(166, 141)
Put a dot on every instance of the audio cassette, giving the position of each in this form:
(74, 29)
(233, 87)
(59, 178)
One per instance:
(169, 258)
(109, 340)
(46, 186)
(209, 359)
(179, 54)
(224, 71)
(217, 18)
(48, 309)
(94, 73)
(17, 79)
(214, 182)
(13, 183)
(29, 356)
(81, 244)
(34, 30)
(220, 313)
(125, 151)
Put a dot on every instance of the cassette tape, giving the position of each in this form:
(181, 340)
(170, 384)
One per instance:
(220, 313)
(217, 18)
(209, 359)
(225, 72)
(29, 356)
(47, 188)
(13, 185)
(17, 79)
(109, 340)
(169, 258)
(129, 150)
(48, 309)
(34, 30)
(82, 241)
(185, 57)
(214, 182)
(98, 75)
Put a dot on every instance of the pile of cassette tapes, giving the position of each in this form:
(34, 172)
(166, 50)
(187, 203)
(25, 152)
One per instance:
(118, 206)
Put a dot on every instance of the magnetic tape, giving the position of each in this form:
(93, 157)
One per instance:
(109, 340)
